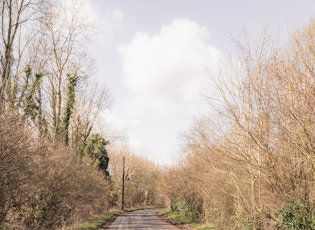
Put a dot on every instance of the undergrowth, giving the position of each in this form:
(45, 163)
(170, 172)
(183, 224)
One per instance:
(99, 221)
(181, 220)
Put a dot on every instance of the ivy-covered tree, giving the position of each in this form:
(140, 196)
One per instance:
(28, 100)
(69, 104)
(96, 151)
(31, 94)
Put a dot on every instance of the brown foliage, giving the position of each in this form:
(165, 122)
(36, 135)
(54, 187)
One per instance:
(43, 186)
(142, 178)
(257, 154)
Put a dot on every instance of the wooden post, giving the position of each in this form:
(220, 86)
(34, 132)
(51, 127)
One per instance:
(123, 186)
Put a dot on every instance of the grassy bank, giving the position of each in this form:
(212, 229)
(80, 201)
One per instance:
(177, 219)
(99, 221)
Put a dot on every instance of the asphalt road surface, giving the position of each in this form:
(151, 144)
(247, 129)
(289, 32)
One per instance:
(141, 219)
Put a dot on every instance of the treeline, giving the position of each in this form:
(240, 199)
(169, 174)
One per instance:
(53, 160)
(251, 164)
(53, 170)
(142, 180)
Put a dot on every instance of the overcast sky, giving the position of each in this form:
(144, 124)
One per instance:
(153, 56)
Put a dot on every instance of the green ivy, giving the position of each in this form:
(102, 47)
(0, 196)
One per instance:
(95, 149)
(69, 104)
(296, 215)
(181, 206)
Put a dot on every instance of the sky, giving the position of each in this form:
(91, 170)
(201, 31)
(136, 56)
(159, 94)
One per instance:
(155, 57)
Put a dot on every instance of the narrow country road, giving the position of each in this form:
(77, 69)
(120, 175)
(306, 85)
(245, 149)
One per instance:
(141, 219)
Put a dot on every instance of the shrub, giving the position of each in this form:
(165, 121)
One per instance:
(296, 215)
(45, 186)
(68, 188)
(181, 206)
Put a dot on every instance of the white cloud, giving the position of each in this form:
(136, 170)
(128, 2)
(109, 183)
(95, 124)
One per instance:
(165, 74)
(173, 60)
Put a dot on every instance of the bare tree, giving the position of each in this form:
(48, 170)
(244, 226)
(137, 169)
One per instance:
(64, 32)
(141, 179)
(258, 152)
(15, 17)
